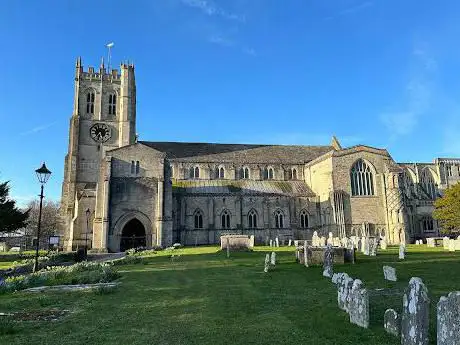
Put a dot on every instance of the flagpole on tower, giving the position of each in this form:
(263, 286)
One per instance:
(109, 57)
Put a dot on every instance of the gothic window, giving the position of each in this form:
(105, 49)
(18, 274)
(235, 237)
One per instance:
(270, 173)
(194, 172)
(112, 104)
(244, 173)
(294, 174)
(221, 173)
(303, 219)
(279, 221)
(225, 220)
(198, 219)
(428, 183)
(137, 167)
(265, 172)
(449, 170)
(252, 219)
(427, 223)
(90, 103)
(362, 181)
(133, 167)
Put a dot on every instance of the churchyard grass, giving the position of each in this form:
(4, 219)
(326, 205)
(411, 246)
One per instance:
(201, 297)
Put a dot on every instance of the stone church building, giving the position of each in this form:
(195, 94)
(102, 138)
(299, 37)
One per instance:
(119, 192)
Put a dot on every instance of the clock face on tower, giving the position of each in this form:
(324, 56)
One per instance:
(100, 132)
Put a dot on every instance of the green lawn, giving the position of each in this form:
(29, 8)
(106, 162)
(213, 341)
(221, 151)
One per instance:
(205, 298)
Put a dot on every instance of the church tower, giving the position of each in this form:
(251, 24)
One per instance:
(103, 118)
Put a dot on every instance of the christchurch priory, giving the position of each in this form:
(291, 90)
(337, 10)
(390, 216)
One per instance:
(120, 192)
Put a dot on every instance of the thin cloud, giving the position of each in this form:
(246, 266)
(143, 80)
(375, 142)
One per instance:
(221, 41)
(38, 129)
(211, 9)
(351, 10)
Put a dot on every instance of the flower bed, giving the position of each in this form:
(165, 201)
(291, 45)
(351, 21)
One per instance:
(81, 273)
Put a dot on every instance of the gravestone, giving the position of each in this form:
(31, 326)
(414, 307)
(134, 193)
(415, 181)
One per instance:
(271, 243)
(373, 247)
(328, 261)
(367, 245)
(383, 243)
(430, 242)
(448, 314)
(273, 259)
(363, 245)
(289, 243)
(277, 242)
(389, 273)
(251, 241)
(402, 250)
(392, 322)
(359, 304)
(330, 239)
(415, 314)
(296, 243)
(344, 286)
(306, 254)
(451, 245)
(336, 242)
(267, 263)
(322, 241)
(445, 242)
(315, 239)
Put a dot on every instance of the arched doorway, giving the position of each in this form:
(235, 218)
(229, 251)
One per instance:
(133, 235)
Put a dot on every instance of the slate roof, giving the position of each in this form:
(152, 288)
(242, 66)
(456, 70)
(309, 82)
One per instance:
(238, 153)
(297, 188)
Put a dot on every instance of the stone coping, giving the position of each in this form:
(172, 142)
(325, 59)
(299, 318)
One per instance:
(78, 287)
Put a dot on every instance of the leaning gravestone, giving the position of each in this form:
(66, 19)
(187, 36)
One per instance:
(390, 273)
(359, 304)
(415, 314)
(392, 322)
(402, 251)
(267, 263)
(448, 311)
(328, 261)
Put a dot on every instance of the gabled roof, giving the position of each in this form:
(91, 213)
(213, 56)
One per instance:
(241, 153)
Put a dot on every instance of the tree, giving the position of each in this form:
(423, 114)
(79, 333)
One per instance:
(447, 210)
(50, 219)
(11, 217)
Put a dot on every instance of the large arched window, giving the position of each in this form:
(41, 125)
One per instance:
(112, 104)
(221, 173)
(270, 173)
(362, 180)
(198, 219)
(90, 102)
(428, 183)
(303, 219)
(252, 219)
(225, 220)
(279, 219)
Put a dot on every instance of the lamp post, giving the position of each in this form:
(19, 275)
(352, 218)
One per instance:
(43, 174)
(88, 213)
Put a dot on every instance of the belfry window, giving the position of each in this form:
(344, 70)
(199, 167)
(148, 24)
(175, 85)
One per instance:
(225, 220)
(90, 103)
(133, 167)
(252, 219)
(279, 219)
(198, 219)
(112, 104)
(362, 180)
(294, 174)
(304, 219)
(137, 167)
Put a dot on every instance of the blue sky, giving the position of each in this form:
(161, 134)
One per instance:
(383, 73)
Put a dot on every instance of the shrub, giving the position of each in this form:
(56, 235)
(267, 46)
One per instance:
(80, 273)
(80, 255)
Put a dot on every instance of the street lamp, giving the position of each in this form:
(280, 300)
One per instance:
(43, 174)
(88, 213)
